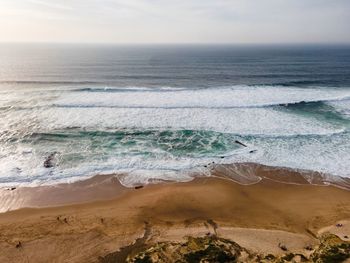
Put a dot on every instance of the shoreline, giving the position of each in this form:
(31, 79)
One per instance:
(114, 219)
(108, 186)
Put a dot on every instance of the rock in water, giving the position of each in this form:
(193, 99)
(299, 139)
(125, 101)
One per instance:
(240, 143)
(49, 161)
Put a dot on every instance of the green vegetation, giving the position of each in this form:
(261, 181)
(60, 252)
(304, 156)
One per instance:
(219, 250)
(331, 250)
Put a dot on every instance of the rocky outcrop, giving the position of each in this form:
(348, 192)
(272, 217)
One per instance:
(201, 249)
(331, 249)
(214, 249)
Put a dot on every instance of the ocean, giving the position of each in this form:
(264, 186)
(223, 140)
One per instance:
(160, 112)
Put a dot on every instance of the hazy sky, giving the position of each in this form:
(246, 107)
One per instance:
(175, 21)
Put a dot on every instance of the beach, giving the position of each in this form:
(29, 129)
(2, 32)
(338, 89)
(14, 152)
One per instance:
(100, 220)
(138, 131)
(174, 153)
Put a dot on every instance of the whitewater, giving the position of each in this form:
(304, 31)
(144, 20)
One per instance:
(168, 132)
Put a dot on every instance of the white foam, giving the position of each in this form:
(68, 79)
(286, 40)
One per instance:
(225, 97)
(142, 176)
(326, 154)
(343, 107)
(237, 110)
(250, 121)
(141, 169)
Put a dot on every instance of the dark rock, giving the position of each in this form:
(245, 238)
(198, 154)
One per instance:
(282, 246)
(309, 248)
(288, 257)
(270, 257)
(240, 143)
(138, 187)
(49, 161)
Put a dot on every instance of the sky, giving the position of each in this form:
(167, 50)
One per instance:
(175, 21)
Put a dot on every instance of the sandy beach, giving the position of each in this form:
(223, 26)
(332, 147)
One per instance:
(189, 131)
(99, 220)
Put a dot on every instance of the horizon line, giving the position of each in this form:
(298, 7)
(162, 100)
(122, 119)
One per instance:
(180, 43)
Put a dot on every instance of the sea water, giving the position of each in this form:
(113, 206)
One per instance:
(159, 112)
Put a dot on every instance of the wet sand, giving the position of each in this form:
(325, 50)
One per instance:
(258, 216)
(100, 187)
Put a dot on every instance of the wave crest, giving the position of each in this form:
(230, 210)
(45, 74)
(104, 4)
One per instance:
(220, 97)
